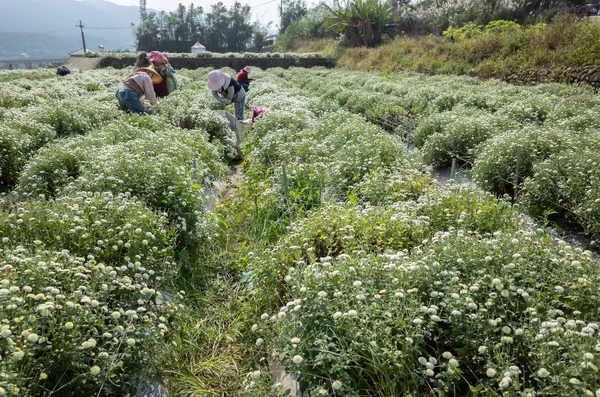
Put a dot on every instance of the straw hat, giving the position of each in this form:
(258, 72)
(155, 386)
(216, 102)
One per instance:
(247, 69)
(156, 77)
(217, 80)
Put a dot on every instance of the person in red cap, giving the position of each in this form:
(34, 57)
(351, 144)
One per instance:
(243, 79)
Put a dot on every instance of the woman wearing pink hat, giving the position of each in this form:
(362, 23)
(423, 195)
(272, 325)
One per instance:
(226, 89)
(163, 67)
(243, 79)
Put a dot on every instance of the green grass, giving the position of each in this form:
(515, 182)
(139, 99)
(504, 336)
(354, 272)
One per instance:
(567, 41)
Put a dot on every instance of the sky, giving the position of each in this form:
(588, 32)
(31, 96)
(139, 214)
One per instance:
(263, 13)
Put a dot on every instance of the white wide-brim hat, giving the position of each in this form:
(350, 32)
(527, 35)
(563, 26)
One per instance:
(217, 79)
(247, 69)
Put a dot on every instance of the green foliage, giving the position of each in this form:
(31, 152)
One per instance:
(501, 26)
(364, 22)
(466, 32)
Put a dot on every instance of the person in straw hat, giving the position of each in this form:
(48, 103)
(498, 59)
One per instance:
(136, 88)
(243, 79)
(226, 89)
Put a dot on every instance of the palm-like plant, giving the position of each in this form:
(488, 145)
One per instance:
(364, 22)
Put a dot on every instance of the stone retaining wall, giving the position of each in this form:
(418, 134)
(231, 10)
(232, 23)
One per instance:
(234, 63)
(583, 75)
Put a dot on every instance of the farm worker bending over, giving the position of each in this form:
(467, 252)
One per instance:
(166, 71)
(136, 88)
(62, 70)
(226, 90)
(243, 79)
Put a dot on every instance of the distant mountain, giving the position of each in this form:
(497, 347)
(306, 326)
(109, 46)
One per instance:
(46, 28)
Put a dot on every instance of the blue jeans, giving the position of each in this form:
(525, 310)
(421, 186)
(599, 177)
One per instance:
(130, 102)
(240, 100)
(246, 86)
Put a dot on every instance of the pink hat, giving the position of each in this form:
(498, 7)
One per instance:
(157, 57)
(217, 80)
(247, 69)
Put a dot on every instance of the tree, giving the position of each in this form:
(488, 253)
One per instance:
(217, 25)
(364, 22)
(292, 11)
(260, 35)
(147, 33)
(221, 29)
(240, 30)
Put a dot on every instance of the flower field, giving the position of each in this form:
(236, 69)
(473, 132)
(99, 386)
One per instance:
(337, 255)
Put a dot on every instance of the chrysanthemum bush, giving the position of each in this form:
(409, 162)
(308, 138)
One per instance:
(193, 111)
(457, 314)
(495, 164)
(81, 294)
(567, 184)
(155, 166)
(342, 228)
(456, 133)
(19, 139)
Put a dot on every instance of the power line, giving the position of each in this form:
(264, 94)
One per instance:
(128, 27)
(262, 4)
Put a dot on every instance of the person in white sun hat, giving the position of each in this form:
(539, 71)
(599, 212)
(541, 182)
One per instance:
(226, 89)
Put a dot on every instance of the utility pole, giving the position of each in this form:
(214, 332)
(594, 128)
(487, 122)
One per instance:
(80, 26)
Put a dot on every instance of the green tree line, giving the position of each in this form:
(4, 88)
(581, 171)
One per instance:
(220, 29)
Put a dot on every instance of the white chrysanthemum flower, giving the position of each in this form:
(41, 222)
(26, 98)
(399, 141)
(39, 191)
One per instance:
(482, 349)
(490, 372)
(574, 381)
(322, 392)
(95, 370)
(264, 316)
(256, 374)
(357, 283)
(33, 338)
(453, 362)
(543, 373)
(322, 294)
(131, 341)
(447, 355)
(259, 341)
(352, 313)
(336, 385)
(295, 340)
(337, 315)
(297, 359)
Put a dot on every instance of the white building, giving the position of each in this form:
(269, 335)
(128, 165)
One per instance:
(198, 48)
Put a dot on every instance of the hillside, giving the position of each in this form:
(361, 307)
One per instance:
(42, 29)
